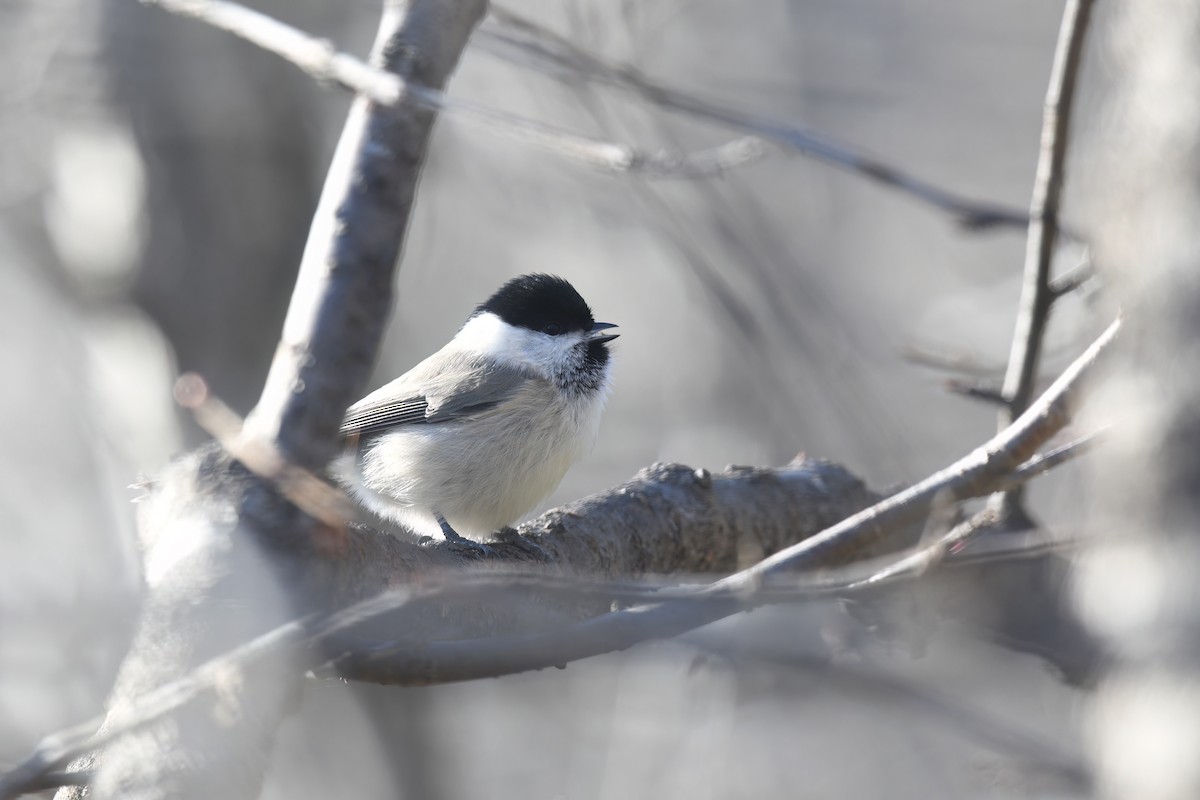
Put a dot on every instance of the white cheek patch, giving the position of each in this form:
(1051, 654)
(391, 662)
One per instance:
(484, 333)
(488, 335)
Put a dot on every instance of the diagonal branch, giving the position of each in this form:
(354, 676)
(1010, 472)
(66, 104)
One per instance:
(520, 37)
(1037, 295)
(318, 58)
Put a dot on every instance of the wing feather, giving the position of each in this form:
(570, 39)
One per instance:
(463, 385)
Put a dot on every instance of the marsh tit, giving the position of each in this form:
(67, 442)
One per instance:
(475, 436)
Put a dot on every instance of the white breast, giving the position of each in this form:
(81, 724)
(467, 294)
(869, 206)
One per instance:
(478, 483)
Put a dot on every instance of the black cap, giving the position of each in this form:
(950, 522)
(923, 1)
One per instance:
(544, 303)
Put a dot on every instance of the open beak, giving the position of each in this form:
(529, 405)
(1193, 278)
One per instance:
(597, 333)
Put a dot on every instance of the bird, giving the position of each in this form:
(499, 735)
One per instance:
(474, 437)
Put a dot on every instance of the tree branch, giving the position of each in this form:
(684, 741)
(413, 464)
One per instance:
(319, 58)
(1037, 297)
(1075, 277)
(978, 391)
(977, 474)
(519, 37)
(1039, 465)
(312, 639)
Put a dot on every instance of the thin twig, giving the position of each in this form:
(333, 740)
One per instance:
(934, 554)
(971, 476)
(320, 59)
(977, 391)
(976, 474)
(599, 154)
(305, 490)
(521, 36)
(1036, 295)
(1075, 277)
(945, 361)
(1039, 465)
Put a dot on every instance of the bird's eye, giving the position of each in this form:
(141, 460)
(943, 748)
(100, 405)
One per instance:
(552, 328)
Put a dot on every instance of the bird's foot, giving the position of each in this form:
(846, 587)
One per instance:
(461, 543)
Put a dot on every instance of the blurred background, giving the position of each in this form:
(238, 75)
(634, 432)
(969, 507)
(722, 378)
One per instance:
(156, 183)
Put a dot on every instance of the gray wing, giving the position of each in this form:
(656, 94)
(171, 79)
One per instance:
(461, 387)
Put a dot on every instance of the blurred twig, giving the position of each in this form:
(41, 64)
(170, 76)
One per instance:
(945, 361)
(1075, 277)
(320, 59)
(1039, 465)
(304, 489)
(517, 37)
(983, 392)
(1037, 296)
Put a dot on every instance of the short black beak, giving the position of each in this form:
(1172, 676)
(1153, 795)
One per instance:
(597, 333)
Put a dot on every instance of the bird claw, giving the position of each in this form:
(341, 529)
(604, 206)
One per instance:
(469, 546)
(460, 543)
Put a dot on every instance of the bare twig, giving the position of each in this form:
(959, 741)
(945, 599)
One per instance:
(1036, 294)
(984, 393)
(1039, 465)
(971, 476)
(1075, 277)
(977, 474)
(304, 489)
(945, 361)
(519, 36)
(320, 59)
